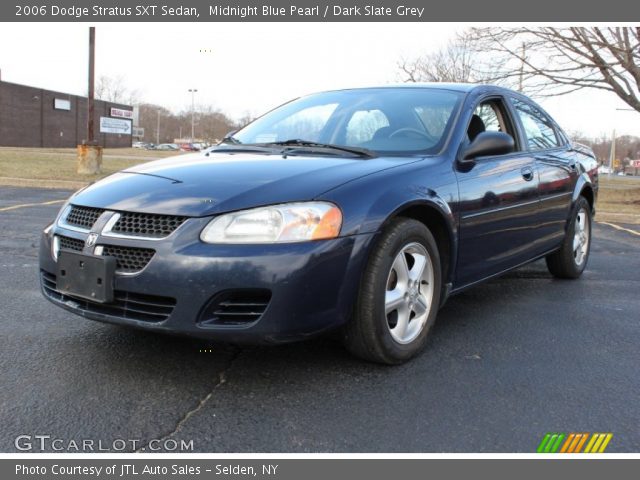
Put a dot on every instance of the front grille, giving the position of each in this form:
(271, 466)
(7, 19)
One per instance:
(126, 305)
(83, 217)
(68, 243)
(147, 225)
(129, 259)
(236, 307)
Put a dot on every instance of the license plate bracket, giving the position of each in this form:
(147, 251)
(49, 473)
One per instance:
(86, 276)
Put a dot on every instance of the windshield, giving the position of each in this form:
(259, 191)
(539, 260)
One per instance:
(388, 120)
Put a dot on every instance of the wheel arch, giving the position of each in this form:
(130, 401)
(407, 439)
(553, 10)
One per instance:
(439, 219)
(584, 188)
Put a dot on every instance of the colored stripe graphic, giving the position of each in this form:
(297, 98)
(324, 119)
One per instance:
(598, 443)
(551, 442)
(566, 445)
(590, 444)
(581, 443)
(556, 445)
(543, 443)
(607, 439)
(554, 442)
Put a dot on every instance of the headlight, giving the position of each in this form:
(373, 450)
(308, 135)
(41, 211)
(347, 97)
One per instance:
(292, 222)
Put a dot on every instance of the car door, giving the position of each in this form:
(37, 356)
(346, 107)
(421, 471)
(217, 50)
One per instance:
(557, 171)
(499, 203)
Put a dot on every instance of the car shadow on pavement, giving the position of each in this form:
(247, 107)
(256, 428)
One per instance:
(139, 348)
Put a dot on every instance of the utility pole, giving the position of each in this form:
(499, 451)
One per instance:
(92, 84)
(158, 129)
(193, 122)
(612, 152)
(90, 153)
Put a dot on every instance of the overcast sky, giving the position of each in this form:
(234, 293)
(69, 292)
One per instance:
(252, 67)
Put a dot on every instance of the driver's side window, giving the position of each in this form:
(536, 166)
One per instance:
(489, 116)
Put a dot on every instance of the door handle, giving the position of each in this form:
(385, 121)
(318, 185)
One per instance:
(527, 173)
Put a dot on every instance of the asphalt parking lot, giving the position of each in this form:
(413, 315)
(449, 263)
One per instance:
(507, 362)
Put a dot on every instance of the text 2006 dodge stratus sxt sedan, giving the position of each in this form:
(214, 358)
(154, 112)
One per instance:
(357, 209)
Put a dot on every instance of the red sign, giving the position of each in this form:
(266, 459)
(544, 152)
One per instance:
(120, 113)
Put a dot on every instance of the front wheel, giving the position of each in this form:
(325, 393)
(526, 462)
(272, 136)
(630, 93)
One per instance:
(571, 259)
(399, 295)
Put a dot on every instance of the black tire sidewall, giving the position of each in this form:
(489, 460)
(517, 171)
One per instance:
(402, 233)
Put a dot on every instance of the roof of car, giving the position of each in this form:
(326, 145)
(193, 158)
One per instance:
(463, 87)
(458, 87)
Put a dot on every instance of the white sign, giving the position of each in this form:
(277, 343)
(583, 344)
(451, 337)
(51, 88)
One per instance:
(115, 125)
(61, 104)
(120, 113)
(138, 132)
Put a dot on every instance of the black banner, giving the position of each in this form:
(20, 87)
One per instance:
(316, 469)
(317, 11)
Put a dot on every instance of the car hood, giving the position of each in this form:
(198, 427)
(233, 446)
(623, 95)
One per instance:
(200, 185)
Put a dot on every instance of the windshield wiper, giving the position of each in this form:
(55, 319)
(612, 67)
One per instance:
(230, 139)
(296, 142)
(241, 148)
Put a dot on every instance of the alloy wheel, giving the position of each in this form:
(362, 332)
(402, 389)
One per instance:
(409, 293)
(581, 237)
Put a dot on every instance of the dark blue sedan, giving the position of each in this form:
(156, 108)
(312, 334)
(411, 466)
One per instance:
(355, 210)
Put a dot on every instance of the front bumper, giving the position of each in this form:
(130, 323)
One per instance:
(312, 285)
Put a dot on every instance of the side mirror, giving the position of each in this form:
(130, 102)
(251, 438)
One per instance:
(488, 144)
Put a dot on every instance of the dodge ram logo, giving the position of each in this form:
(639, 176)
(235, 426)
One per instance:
(91, 240)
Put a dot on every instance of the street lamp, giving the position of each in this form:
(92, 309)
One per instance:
(193, 91)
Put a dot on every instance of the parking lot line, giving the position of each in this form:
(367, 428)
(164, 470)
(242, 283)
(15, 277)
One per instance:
(622, 229)
(25, 205)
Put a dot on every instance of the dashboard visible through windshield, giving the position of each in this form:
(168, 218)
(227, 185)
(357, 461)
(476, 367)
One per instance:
(382, 120)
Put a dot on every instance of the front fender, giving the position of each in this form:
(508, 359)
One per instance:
(585, 181)
(369, 201)
(588, 174)
(410, 199)
(423, 190)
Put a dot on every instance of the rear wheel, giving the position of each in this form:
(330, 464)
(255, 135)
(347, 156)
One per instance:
(571, 259)
(399, 295)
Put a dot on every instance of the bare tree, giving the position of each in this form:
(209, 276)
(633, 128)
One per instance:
(161, 124)
(554, 61)
(158, 122)
(457, 61)
(213, 124)
(245, 120)
(115, 90)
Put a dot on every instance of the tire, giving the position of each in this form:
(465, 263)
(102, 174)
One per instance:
(572, 257)
(396, 305)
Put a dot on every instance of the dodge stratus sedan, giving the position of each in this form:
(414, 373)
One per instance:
(357, 211)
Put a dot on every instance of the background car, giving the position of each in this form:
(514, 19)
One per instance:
(189, 147)
(167, 146)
